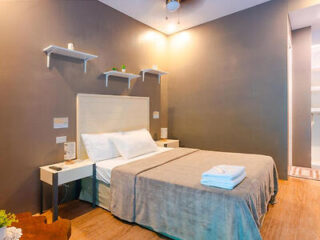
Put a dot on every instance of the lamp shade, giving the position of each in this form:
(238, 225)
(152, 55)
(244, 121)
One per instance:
(164, 133)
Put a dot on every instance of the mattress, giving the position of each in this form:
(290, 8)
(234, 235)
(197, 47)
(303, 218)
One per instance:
(104, 171)
(103, 196)
(104, 168)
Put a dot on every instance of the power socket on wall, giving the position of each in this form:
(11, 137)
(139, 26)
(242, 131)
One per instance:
(61, 139)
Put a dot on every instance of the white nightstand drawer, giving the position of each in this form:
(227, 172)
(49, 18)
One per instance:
(170, 143)
(74, 174)
(69, 173)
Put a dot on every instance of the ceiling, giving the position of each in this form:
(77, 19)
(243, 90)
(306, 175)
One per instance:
(305, 17)
(191, 13)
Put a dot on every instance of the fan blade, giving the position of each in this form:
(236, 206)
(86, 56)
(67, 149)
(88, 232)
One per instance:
(187, 4)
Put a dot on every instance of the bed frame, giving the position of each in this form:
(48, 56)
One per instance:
(109, 113)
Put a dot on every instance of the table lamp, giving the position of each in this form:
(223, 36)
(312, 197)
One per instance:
(164, 133)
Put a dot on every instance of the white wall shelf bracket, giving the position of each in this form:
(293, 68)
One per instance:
(48, 59)
(153, 71)
(107, 80)
(85, 65)
(68, 53)
(129, 83)
(143, 73)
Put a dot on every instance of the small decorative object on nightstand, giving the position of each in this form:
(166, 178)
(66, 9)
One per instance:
(170, 143)
(61, 173)
(69, 152)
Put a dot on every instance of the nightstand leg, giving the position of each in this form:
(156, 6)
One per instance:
(41, 197)
(55, 197)
(94, 186)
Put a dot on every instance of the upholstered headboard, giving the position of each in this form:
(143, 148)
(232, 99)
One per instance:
(108, 113)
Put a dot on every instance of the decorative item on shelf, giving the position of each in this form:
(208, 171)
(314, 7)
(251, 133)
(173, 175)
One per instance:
(114, 69)
(123, 68)
(70, 46)
(155, 67)
(6, 219)
(164, 133)
(69, 152)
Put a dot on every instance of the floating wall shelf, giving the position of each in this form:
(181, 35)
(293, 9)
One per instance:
(153, 71)
(315, 89)
(52, 49)
(315, 110)
(130, 76)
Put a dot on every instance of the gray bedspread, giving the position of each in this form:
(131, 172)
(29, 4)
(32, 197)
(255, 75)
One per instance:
(164, 193)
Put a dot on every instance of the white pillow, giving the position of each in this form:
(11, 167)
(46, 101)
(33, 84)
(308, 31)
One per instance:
(100, 146)
(134, 143)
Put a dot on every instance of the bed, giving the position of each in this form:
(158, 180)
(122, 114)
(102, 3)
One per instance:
(103, 174)
(162, 191)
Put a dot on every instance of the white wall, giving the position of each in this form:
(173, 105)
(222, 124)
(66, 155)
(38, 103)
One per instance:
(315, 98)
(289, 95)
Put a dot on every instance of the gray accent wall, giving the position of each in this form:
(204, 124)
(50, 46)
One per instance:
(32, 95)
(301, 97)
(228, 84)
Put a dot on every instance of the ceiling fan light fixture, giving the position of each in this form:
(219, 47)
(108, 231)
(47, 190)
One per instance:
(173, 5)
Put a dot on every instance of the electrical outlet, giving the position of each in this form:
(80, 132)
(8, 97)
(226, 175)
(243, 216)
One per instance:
(61, 139)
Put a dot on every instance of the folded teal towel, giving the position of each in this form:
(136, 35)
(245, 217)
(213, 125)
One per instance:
(226, 172)
(220, 183)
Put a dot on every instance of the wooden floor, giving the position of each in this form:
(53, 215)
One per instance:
(296, 216)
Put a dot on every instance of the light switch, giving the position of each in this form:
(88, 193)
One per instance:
(60, 122)
(156, 115)
(61, 139)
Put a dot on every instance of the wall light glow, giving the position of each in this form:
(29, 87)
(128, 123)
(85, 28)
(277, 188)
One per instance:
(180, 40)
(155, 39)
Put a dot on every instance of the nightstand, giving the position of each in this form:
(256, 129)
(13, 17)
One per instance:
(171, 143)
(69, 173)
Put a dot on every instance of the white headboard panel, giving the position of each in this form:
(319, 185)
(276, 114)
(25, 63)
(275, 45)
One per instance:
(108, 113)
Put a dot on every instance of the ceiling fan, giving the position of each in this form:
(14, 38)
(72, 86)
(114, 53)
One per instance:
(173, 5)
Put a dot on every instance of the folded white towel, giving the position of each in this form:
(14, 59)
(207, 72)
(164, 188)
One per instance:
(220, 183)
(227, 172)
